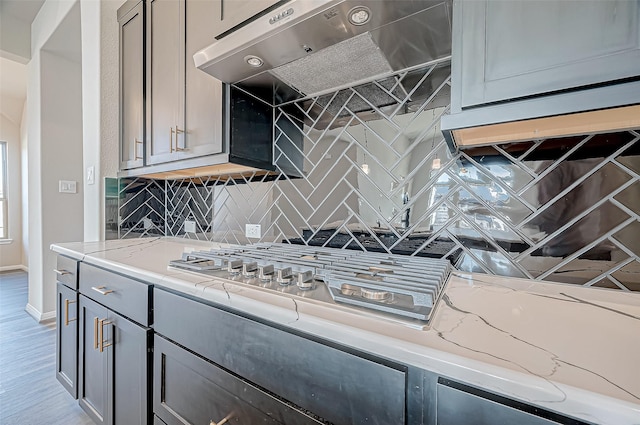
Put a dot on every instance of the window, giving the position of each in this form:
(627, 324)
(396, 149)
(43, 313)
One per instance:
(3, 190)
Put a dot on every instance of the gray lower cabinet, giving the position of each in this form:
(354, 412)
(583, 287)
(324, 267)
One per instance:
(505, 50)
(338, 386)
(191, 390)
(67, 338)
(114, 362)
(92, 363)
(460, 404)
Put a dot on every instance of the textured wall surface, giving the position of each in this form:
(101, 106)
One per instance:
(379, 176)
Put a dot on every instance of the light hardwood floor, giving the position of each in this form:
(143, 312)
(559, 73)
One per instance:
(29, 391)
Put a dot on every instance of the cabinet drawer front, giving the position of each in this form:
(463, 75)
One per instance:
(121, 294)
(67, 271)
(338, 386)
(189, 389)
(459, 404)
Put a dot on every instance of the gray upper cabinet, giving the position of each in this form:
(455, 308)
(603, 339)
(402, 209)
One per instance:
(131, 116)
(184, 105)
(203, 96)
(514, 49)
(235, 12)
(165, 78)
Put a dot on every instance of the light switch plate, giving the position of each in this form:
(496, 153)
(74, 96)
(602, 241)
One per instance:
(67, 186)
(253, 231)
(91, 175)
(189, 226)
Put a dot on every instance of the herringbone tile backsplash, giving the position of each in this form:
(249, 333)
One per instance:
(379, 176)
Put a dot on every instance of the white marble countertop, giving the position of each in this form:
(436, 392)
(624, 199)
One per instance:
(569, 349)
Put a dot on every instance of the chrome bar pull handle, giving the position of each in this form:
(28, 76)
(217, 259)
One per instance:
(95, 333)
(101, 337)
(66, 312)
(171, 140)
(137, 142)
(102, 290)
(178, 131)
(61, 272)
(223, 420)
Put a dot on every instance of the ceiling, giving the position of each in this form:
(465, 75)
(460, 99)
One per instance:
(13, 89)
(16, 17)
(25, 10)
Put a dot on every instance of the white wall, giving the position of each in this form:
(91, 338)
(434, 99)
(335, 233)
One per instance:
(24, 189)
(109, 69)
(54, 145)
(100, 105)
(91, 83)
(11, 253)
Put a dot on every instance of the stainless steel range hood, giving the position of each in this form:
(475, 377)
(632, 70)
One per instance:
(307, 48)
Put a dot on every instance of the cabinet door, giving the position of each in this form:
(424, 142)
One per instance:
(132, 88)
(92, 364)
(234, 12)
(203, 115)
(189, 390)
(509, 49)
(67, 338)
(128, 357)
(165, 78)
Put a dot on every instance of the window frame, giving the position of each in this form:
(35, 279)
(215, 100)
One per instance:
(4, 164)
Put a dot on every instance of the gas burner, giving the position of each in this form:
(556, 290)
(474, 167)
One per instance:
(403, 286)
(375, 295)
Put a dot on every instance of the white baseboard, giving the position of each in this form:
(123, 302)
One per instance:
(15, 267)
(38, 316)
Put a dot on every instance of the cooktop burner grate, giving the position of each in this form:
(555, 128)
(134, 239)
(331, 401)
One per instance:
(391, 284)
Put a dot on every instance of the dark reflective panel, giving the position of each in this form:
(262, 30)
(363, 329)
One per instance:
(629, 276)
(588, 229)
(630, 197)
(577, 201)
(630, 237)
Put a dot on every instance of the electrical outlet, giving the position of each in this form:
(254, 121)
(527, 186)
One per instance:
(253, 231)
(189, 226)
(67, 186)
(147, 223)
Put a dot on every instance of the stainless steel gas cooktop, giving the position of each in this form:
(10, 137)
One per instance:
(391, 285)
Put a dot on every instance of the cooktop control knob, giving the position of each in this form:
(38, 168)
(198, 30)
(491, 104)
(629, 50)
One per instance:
(249, 269)
(305, 280)
(284, 276)
(265, 273)
(234, 266)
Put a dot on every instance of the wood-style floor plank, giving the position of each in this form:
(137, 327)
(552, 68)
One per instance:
(29, 391)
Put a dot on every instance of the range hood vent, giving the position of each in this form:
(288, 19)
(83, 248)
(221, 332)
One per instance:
(321, 46)
(355, 59)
